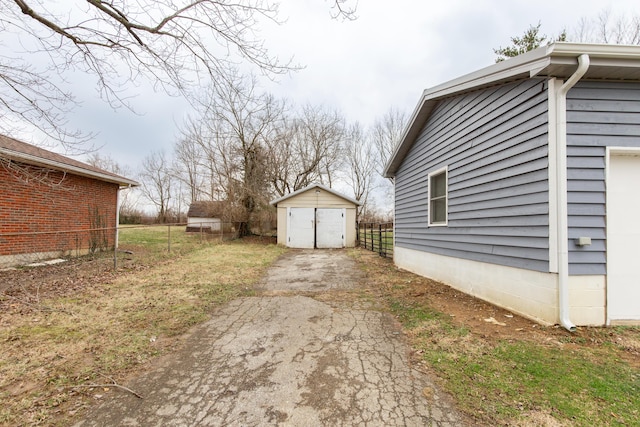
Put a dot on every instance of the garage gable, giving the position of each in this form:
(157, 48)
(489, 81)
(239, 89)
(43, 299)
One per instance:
(316, 195)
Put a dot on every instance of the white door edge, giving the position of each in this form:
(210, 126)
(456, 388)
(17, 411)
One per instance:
(612, 151)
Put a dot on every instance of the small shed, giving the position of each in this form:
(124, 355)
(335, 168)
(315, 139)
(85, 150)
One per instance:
(205, 215)
(316, 217)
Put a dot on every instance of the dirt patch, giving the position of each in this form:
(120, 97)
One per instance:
(260, 240)
(486, 320)
(22, 289)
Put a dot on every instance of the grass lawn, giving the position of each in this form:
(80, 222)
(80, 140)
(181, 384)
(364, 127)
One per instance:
(377, 240)
(88, 325)
(520, 374)
(69, 331)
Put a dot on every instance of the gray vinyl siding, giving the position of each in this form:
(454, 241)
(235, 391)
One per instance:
(494, 143)
(599, 114)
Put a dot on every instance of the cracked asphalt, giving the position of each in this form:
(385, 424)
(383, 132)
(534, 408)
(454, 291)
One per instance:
(286, 358)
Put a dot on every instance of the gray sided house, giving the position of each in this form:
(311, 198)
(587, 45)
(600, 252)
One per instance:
(520, 184)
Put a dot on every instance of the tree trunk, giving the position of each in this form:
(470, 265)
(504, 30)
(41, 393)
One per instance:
(243, 229)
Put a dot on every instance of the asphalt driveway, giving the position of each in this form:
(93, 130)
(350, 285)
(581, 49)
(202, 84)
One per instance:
(290, 356)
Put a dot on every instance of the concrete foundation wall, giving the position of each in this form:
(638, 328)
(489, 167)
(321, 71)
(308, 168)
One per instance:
(529, 293)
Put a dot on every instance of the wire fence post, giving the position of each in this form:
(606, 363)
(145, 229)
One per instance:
(365, 236)
(168, 237)
(115, 250)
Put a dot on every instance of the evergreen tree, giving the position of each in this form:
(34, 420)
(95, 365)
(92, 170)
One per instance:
(531, 39)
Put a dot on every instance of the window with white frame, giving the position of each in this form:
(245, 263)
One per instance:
(438, 197)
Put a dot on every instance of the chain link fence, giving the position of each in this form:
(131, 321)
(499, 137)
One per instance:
(41, 247)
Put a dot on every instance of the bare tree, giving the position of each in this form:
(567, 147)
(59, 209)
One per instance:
(107, 163)
(307, 149)
(172, 43)
(342, 9)
(359, 153)
(608, 28)
(188, 160)
(157, 183)
(127, 197)
(29, 98)
(321, 131)
(386, 134)
(240, 122)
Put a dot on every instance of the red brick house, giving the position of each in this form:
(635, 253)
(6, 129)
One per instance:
(51, 205)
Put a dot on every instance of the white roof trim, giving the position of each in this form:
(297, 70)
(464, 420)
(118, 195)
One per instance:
(311, 187)
(534, 63)
(39, 161)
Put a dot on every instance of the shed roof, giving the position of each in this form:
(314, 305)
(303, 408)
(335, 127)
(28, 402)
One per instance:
(607, 62)
(30, 154)
(206, 209)
(311, 187)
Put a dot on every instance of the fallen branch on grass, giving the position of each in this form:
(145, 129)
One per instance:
(113, 384)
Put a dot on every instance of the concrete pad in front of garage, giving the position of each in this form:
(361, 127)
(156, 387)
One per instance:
(312, 270)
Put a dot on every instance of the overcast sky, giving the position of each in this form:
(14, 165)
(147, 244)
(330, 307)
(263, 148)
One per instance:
(387, 57)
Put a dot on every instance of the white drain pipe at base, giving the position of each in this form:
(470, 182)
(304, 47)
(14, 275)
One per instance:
(562, 198)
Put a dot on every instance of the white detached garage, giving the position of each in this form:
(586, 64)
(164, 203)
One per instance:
(316, 217)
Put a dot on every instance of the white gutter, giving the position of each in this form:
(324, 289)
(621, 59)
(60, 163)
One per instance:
(31, 159)
(562, 198)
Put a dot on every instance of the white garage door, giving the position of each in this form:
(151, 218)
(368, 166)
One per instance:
(330, 228)
(301, 228)
(623, 235)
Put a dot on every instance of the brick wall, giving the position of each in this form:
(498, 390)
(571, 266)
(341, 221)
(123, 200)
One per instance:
(39, 208)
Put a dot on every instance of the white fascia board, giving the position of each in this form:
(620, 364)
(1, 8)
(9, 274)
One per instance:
(530, 64)
(519, 66)
(419, 116)
(594, 50)
(38, 161)
(310, 187)
(485, 77)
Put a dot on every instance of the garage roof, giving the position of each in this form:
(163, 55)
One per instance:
(607, 62)
(310, 187)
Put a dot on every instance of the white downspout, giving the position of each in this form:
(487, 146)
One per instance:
(562, 210)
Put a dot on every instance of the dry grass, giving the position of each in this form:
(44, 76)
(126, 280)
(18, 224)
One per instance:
(108, 330)
(102, 327)
(518, 373)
